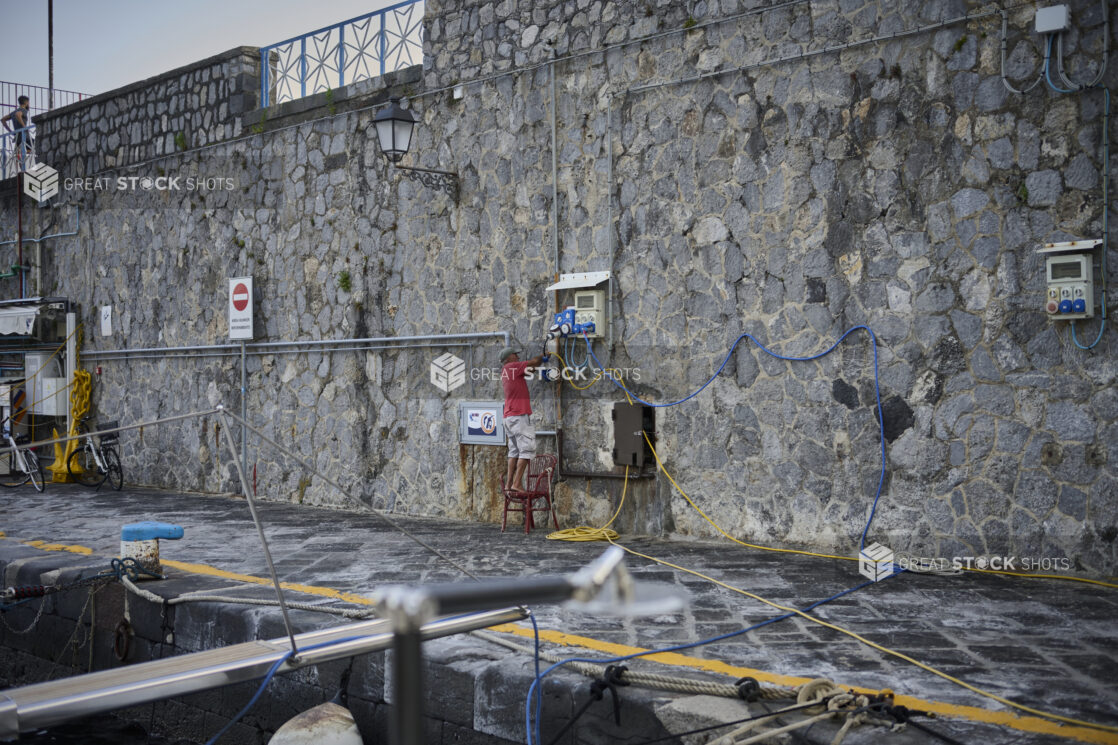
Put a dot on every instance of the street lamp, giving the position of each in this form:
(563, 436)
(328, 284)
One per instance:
(395, 125)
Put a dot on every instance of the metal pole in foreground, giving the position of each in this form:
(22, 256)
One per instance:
(50, 53)
(260, 531)
(407, 669)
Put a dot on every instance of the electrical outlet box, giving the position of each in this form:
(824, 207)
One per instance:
(1070, 287)
(1069, 280)
(1053, 19)
(590, 308)
(630, 422)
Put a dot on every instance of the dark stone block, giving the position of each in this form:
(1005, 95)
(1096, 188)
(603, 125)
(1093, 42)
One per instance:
(816, 290)
(898, 417)
(845, 393)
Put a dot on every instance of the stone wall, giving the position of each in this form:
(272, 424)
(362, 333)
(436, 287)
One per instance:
(891, 183)
(195, 105)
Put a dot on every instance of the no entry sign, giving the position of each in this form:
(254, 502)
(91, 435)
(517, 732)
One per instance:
(240, 308)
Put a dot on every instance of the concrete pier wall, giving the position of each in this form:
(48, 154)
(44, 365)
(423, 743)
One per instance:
(791, 173)
(475, 690)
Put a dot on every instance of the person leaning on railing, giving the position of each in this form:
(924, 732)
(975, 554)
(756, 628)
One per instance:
(21, 116)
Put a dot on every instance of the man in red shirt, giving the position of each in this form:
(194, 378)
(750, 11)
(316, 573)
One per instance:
(519, 433)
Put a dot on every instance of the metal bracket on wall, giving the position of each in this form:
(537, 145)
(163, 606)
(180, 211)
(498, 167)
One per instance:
(441, 180)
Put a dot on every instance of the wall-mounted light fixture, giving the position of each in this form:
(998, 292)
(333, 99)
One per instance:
(395, 125)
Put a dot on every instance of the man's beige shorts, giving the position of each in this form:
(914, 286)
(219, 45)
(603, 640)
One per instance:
(521, 436)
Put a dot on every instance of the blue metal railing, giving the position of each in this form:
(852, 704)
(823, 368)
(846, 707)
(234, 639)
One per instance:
(17, 151)
(358, 49)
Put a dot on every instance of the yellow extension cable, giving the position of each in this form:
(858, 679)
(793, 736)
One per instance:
(603, 533)
(584, 532)
(879, 647)
(716, 526)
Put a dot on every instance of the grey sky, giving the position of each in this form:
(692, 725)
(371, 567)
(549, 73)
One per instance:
(104, 44)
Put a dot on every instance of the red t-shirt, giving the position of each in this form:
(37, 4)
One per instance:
(516, 389)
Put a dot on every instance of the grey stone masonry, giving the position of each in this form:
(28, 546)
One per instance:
(195, 105)
(791, 172)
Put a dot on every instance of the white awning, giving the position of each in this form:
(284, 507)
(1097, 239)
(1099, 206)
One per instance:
(18, 321)
(575, 281)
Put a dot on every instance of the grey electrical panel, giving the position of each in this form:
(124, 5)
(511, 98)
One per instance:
(630, 422)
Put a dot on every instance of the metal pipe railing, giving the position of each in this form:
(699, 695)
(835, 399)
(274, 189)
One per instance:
(270, 347)
(47, 704)
(39, 96)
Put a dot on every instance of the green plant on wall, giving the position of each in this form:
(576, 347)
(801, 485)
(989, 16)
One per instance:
(180, 140)
(345, 283)
(330, 107)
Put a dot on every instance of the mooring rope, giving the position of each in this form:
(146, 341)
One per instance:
(657, 681)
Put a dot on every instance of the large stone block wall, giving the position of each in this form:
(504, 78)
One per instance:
(195, 105)
(894, 184)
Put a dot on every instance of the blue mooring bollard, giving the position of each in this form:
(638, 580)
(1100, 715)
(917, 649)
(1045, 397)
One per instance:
(140, 541)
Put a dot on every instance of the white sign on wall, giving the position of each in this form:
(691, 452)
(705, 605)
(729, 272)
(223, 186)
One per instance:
(106, 320)
(240, 308)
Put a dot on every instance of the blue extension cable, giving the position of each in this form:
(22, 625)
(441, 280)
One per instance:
(766, 350)
(268, 679)
(275, 667)
(535, 690)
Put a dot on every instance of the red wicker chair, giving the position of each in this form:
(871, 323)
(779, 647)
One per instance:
(538, 496)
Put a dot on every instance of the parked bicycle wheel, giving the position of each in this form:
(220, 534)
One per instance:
(14, 477)
(34, 469)
(116, 472)
(83, 468)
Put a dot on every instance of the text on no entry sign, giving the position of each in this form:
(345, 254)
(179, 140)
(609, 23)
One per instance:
(240, 296)
(240, 308)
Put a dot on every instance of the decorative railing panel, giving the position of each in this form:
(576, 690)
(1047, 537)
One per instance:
(358, 49)
(17, 151)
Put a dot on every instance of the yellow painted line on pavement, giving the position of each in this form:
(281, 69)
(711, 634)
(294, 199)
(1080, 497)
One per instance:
(209, 571)
(941, 708)
(59, 547)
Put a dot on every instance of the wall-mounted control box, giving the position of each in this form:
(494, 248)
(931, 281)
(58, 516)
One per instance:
(630, 423)
(590, 308)
(590, 313)
(1052, 19)
(1069, 287)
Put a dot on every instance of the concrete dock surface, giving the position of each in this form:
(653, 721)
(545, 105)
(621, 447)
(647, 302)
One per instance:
(1048, 644)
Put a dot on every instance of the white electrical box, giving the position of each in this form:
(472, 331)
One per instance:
(55, 398)
(38, 368)
(1052, 20)
(1069, 276)
(590, 308)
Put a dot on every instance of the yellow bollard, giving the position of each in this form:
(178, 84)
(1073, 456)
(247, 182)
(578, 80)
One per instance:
(79, 407)
(59, 473)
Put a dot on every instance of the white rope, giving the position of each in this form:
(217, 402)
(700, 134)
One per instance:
(198, 597)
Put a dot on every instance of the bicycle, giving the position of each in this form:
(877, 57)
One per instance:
(23, 464)
(97, 461)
